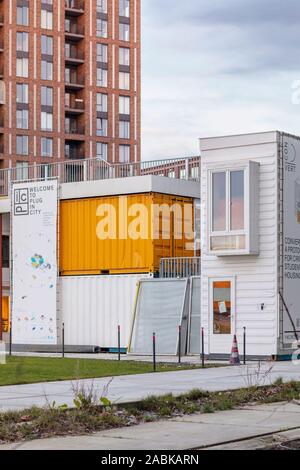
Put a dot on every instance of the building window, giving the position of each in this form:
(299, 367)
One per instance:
(124, 153)
(22, 119)
(102, 29)
(232, 203)
(46, 121)
(102, 53)
(124, 130)
(124, 105)
(22, 15)
(22, 145)
(46, 147)
(47, 96)
(22, 93)
(47, 45)
(46, 19)
(124, 80)
(46, 70)
(102, 127)
(22, 171)
(22, 67)
(124, 56)
(101, 103)
(22, 42)
(102, 6)
(124, 8)
(124, 32)
(101, 77)
(102, 150)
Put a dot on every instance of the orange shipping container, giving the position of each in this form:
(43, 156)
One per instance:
(124, 234)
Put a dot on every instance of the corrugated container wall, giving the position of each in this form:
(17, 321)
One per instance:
(82, 252)
(94, 306)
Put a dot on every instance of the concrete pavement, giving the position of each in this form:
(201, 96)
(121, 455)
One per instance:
(184, 433)
(136, 387)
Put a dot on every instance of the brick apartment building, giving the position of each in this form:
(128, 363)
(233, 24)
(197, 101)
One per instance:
(69, 81)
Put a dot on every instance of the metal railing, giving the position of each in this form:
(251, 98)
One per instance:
(74, 4)
(179, 267)
(93, 169)
(74, 28)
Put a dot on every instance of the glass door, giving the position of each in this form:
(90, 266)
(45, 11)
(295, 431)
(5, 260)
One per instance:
(222, 314)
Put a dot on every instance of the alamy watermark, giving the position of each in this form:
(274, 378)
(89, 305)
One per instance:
(138, 221)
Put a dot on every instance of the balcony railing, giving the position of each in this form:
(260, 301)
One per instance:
(74, 55)
(74, 105)
(75, 80)
(95, 169)
(179, 267)
(74, 5)
(74, 154)
(74, 28)
(75, 129)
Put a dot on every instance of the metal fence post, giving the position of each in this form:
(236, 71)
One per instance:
(179, 344)
(202, 348)
(154, 351)
(119, 342)
(10, 337)
(63, 340)
(245, 345)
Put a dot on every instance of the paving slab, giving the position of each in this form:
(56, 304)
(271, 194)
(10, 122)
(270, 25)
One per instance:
(137, 387)
(190, 432)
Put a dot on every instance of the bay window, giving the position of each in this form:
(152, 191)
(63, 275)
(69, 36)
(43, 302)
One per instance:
(233, 210)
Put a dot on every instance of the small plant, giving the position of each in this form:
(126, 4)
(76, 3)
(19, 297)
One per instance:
(278, 382)
(257, 376)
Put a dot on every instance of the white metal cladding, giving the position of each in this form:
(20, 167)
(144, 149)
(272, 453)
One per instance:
(256, 276)
(93, 306)
(162, 306)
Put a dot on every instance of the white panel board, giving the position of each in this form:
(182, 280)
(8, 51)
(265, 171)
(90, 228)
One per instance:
(291, 238)
(34, 260)
(92, 307)
(161, 306)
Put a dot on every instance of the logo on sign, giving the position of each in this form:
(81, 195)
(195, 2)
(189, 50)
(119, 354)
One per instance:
(21, 201)
(290, 157)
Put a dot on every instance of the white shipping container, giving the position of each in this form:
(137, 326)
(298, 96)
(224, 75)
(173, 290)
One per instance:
(92, 307)
(250, 192)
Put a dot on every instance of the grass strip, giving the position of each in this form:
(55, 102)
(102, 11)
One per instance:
(37, 423)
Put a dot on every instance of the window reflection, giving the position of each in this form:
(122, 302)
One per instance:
(222, 308)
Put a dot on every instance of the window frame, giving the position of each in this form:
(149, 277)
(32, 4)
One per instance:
(250, 230)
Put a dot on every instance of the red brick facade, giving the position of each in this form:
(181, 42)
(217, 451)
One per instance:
(80, 19)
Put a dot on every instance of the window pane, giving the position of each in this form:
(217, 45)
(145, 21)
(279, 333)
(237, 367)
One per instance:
(219, 202)
(222, 308)
(237, 197)
(228, 243)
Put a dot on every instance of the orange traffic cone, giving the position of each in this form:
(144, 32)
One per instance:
(234, 357)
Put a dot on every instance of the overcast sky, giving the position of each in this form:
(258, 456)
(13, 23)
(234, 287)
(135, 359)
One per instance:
(215, 67)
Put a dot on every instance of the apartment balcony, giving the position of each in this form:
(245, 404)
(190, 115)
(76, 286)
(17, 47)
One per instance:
(1, 151)
(75, 131)
(74, 7)
(1, 20)
(75, 82)
(1, 72)
(76, 154)
(74, 107)
(74, 57)
(1, 46)
(74, 32)
(1, 125)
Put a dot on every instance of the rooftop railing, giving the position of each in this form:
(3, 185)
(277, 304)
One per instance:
(178, 268)
(96, 169)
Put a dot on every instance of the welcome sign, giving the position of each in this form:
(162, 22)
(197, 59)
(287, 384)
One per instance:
(34, 262)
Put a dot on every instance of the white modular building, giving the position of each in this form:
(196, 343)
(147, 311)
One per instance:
(250, 232)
